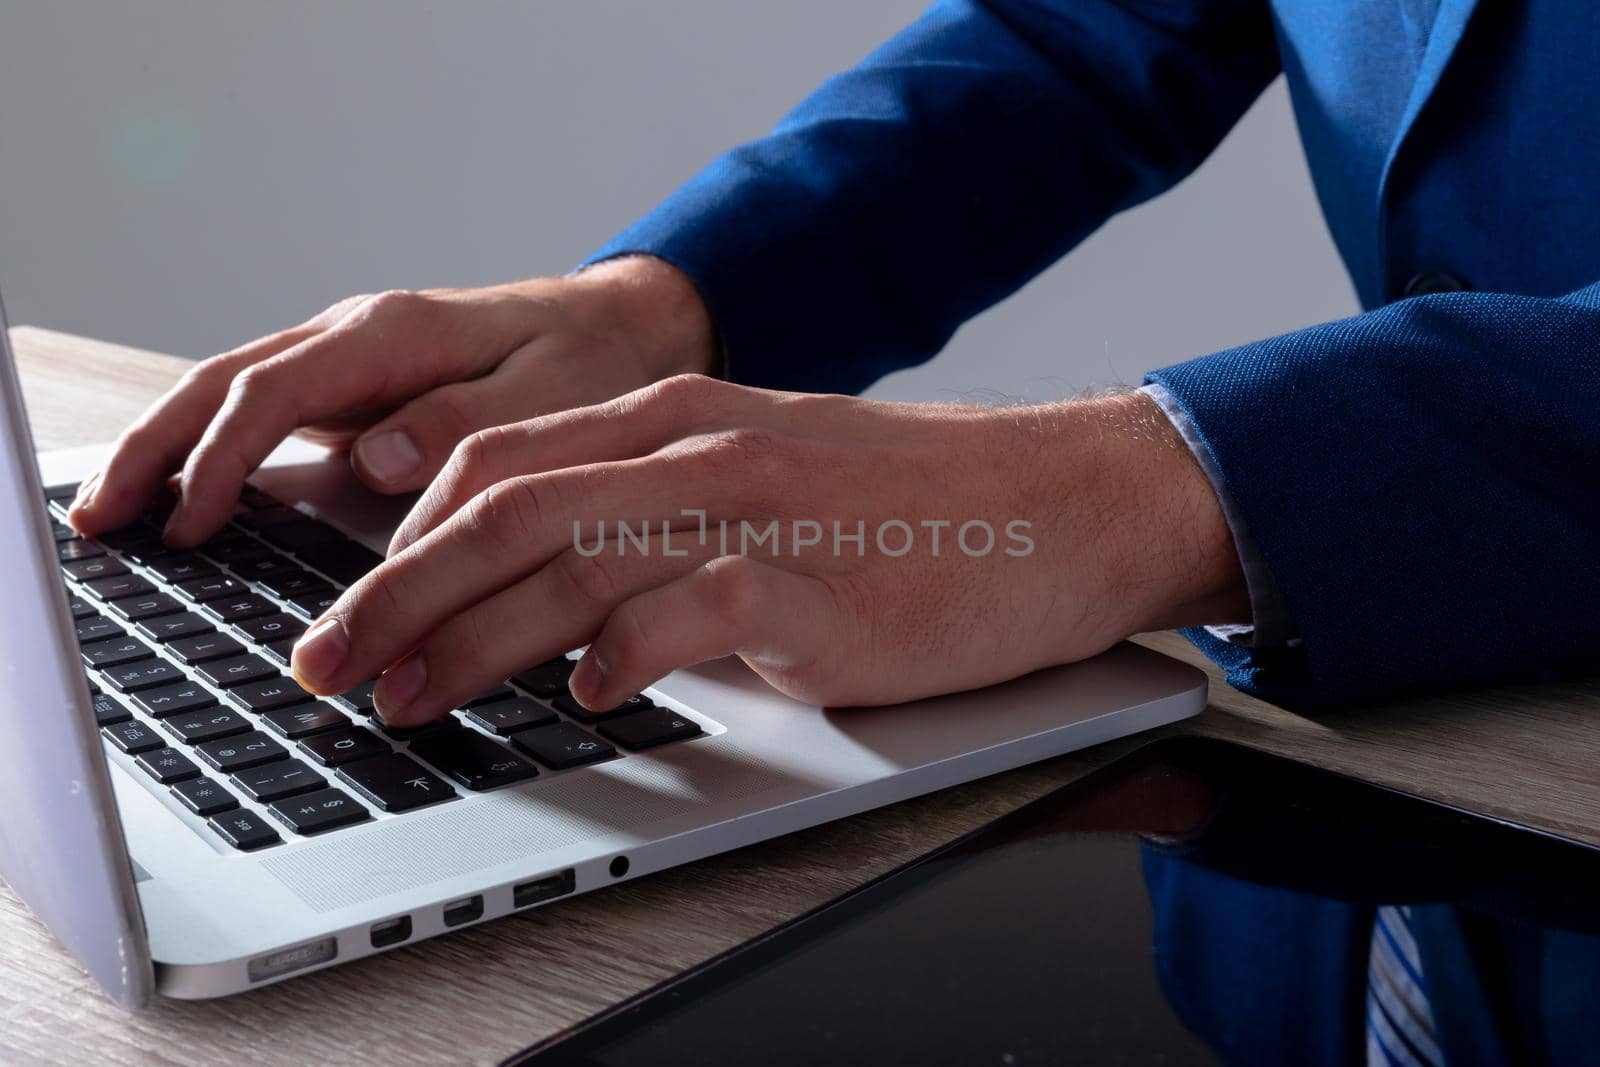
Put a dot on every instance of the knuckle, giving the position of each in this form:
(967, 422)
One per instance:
(472, 456)
(745, 446)
(389, 305)
(679, 395)
(732, 589)
(509, 513)
(253, 383)
(378, 596)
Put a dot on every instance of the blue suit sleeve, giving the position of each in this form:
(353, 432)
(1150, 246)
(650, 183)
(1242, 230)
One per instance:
(1420, 480)
(954, 163)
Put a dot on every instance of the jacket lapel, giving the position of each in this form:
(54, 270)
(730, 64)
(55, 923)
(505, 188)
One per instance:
(1448, 26)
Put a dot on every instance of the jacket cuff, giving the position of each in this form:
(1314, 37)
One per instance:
(1271, 625)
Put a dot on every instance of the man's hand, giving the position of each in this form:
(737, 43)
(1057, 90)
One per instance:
(400, 377)
(991, 542)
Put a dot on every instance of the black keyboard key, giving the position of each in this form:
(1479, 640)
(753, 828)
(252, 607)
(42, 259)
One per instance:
(268, 694)
(143, 552)
(237, 671)
(508, 716)
(197, 727)
(562, 745)
(167, 765)
(61, 531)
(229, 551)
(395, 782)
(343, 561)
(568, 705)
(359, 699)
(146, 674)
(319, 812)
(118, 586)
(244, 830)
(297, 722)
(95, 628)
(472, 760)
(171, 699)
(81, 608)
(406, 733)
(302, 534)
(204, 797)
(269, 628)
(279, 651)
(343, 746)
(274, 781)
(115, 651)
(239, 608)
(132, 737)
(182, 567)
(77, 548)
(205, 646)
(94, 567)
(108, 709)
(205, 590)
(646, 729)
(498, 693)
(548, 679)
(311, 606)
(261, 518)
(293, 583)
(256, 570)
(167, 629)
(132, 538)
(233, 754)
(136, 608)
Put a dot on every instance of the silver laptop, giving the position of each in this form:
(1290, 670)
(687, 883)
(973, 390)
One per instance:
(187, 825)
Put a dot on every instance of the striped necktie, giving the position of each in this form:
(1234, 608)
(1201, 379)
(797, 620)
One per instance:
(1400, 1031)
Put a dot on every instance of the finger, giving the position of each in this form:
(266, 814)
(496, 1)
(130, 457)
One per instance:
(632, 425)
(557, 609)
(387, 349)
(404, 452)
(779, 621)
(505, 534)
(153, 447)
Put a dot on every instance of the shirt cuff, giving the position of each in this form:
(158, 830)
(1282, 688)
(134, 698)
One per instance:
(1271, 625)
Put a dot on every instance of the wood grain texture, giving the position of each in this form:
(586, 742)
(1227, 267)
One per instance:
(1526, 754)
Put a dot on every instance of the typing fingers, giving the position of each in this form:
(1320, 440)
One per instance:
(508, 532)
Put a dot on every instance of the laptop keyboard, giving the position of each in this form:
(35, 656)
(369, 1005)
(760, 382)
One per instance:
(187, 655)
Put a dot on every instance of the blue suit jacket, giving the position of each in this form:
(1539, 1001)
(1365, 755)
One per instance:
(1420, 479)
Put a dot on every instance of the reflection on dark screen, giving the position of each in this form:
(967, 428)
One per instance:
(1197, 903)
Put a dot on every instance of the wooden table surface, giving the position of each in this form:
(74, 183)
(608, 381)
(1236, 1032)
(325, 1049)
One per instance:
(1527, 754)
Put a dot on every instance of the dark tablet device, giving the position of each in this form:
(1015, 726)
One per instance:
(1195, 902)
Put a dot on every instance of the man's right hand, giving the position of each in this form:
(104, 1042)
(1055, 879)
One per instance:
(400, 378)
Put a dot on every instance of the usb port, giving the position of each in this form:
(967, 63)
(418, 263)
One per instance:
(541, 889)
(463, 911)
(391, 931)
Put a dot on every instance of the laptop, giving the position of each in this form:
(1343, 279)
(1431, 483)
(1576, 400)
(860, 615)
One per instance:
(190, 824)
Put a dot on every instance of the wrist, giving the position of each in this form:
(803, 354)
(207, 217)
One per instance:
(1163, 541)
(652, 311)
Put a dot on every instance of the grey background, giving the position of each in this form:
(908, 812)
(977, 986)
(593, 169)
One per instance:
(188, 175)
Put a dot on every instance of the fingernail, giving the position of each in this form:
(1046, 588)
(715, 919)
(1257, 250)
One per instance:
(389, 456)
(83, 499)
(320, 654)
(85, 494)
(399, 686)
(587, 678)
